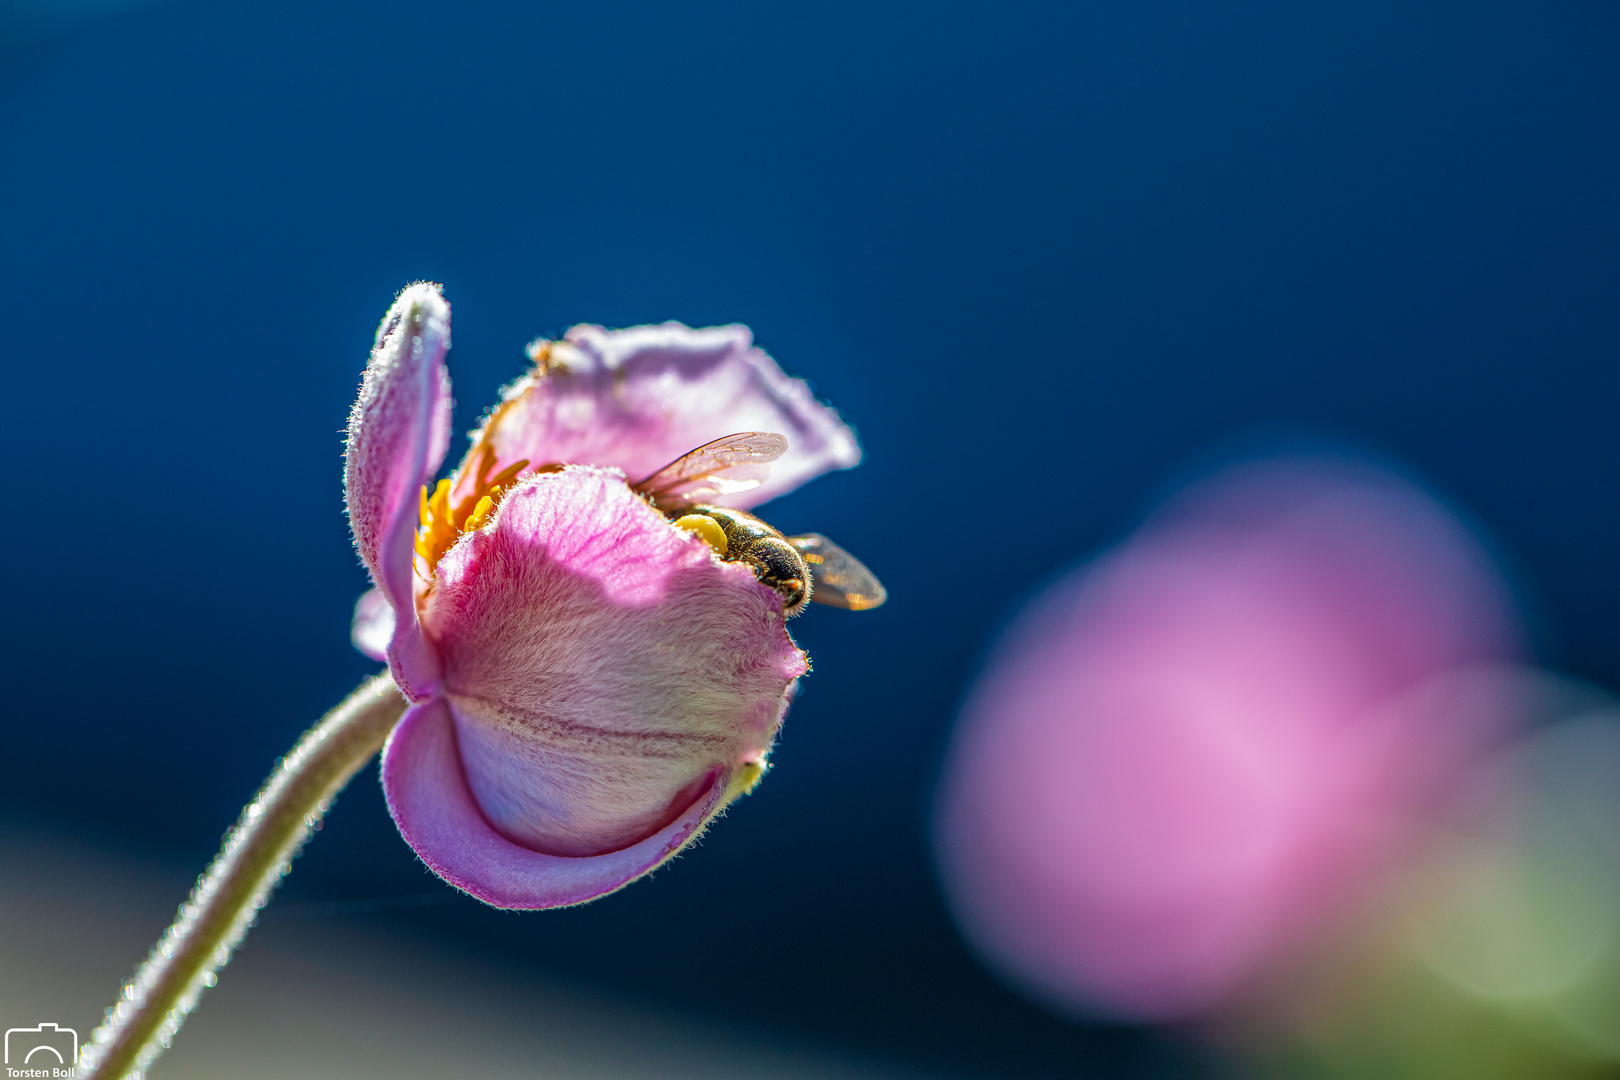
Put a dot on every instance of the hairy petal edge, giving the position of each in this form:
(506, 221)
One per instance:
(639, 398)
(399, 430)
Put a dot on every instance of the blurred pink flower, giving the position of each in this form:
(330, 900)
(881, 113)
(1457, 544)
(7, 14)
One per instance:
(1182, 762)
(590, 684)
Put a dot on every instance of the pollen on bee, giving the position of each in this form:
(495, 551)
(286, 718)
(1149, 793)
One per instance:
(706, 528)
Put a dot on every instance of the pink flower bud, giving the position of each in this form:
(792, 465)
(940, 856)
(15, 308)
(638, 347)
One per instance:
(592, 683)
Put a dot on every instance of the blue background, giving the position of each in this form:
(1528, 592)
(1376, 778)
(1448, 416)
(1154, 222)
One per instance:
(1039, 254)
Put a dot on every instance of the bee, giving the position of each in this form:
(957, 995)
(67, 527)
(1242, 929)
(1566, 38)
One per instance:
(800, 568)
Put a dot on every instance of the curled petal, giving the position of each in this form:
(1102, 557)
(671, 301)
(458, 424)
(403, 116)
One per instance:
(435, 811)
(637, 399)
(399, 430)
(601, 665)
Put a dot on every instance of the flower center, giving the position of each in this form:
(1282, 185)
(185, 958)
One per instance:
(442, 523)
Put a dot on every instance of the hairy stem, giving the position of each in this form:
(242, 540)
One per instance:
(227, 899)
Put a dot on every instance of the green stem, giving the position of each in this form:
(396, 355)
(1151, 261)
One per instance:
(227, 899)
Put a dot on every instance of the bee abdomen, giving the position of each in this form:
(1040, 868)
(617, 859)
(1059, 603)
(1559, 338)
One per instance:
(778, 564)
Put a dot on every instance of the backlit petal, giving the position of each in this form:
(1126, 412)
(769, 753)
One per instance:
(601, 664)
(373, 626)
(637, 399)
(398, 432)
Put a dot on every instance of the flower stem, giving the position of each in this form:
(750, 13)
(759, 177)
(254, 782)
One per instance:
(227, 899)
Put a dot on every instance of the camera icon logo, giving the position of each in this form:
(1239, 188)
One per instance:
(44, 1044)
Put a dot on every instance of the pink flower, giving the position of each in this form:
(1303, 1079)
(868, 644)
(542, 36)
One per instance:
(1186, 761)
(591, 683)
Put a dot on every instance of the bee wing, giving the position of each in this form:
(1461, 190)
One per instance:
(839, 579)
(723, 467)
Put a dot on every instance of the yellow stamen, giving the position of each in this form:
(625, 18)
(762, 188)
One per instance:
(479, 493)
(539, 353)
(508, 474)
(434, 537)
(480, 514)
(707, 529)
(442, 524)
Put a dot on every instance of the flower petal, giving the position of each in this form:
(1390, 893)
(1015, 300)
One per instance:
(1182, 769)
(601, 663)
(431, 803)
(637, 399)
(373, 626)
(399, 429)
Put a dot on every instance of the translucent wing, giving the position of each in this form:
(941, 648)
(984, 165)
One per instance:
(723, 467)
(839, 578)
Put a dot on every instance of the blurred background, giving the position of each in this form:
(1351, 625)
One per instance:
(1054, 261)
